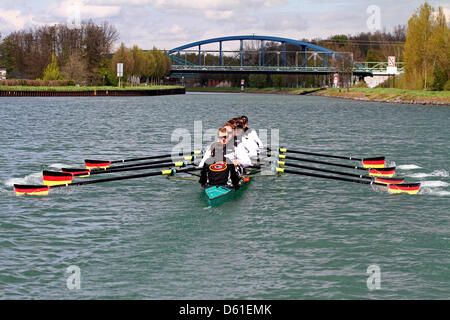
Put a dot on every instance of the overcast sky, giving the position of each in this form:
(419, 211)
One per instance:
(170, 23)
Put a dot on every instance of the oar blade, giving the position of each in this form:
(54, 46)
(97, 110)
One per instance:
(35, 190)
(376, 162)
(382, 172)
(102, 164)
(382, 180)
(53, 178)
(409, 188)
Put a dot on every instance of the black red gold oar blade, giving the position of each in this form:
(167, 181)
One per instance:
(409, 188)
(53, 178)
(97, 164)
(396, 180)
(376, 162)
(382, 172)
(76, 171)
(36, 190)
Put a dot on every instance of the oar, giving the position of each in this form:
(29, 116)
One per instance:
(43, 190)
(396, 180)
(374, 162)
(410, 188)
(53, 178)
(378, 172)
(107, 163)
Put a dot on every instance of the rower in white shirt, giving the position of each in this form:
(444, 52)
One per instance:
(252, 141)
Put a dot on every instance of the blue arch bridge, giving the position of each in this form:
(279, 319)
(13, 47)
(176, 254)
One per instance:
(263, 54)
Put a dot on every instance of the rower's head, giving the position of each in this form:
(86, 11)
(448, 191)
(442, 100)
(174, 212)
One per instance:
(239, 127)
(245, 121)
(225, 134)
(231, 123)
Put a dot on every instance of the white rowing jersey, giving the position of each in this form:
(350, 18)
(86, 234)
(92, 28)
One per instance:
(252, 142)
(238, 153)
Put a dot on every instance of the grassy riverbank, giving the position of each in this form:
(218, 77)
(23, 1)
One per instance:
(74, 88)
(390, 95)
(252, 90)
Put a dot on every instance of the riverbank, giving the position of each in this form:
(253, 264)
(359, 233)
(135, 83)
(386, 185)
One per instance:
(62, 91)
(293, 91)
(390, 95)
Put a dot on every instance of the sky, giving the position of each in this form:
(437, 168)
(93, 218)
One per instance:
(166, 24)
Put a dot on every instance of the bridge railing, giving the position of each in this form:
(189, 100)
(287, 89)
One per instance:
(378, 66)
(260, 58)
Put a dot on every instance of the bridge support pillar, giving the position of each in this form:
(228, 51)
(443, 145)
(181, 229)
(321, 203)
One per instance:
(220, 54)
(283, 54)
(242, 52)
(199, 55)
(261, 63)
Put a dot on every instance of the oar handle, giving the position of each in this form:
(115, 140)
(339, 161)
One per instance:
(168, 155)
(136, 176)
(284, 150)
(322, 162)
(136, 168)
(317, 175)
(282, 163)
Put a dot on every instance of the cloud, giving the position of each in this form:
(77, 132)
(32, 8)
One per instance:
(12, 20)
(66, 9)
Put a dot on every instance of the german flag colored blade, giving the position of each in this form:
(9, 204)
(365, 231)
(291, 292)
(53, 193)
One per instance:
(76, 171)
(97, 164)
(382, 172)
(389, 180)
(52, 178)
(378, 162)
(410, 188)
(31, 190)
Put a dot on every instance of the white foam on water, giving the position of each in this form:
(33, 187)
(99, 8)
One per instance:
(408, 167)
(34, 178)
(434, 184)
(436, 173)
(58, 165)
(434, 192)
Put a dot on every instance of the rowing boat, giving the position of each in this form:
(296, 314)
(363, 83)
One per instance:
(216, 195)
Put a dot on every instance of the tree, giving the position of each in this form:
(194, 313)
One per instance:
(426, 48)
(52, 70)
(75, 68)
(149, 65)
(123, 55)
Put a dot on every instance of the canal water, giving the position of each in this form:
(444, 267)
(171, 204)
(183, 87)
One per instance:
(288, 237)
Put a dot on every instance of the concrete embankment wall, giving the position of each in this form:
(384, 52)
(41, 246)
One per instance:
(94, 93)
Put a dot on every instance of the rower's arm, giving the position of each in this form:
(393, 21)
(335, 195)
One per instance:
(206, 156)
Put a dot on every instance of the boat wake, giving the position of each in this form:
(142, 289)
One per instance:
(34, 178)
(408, 167)
(434, 184)
(436, 173)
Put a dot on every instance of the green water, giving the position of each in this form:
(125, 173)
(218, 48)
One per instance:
(288, 237)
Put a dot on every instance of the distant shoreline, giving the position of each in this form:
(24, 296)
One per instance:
(386, 95)
(390, 95)
(88, 91)
(291, 91)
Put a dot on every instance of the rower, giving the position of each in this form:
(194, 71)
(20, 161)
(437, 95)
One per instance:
(237, 155)
(218, 170)
(254, 142)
